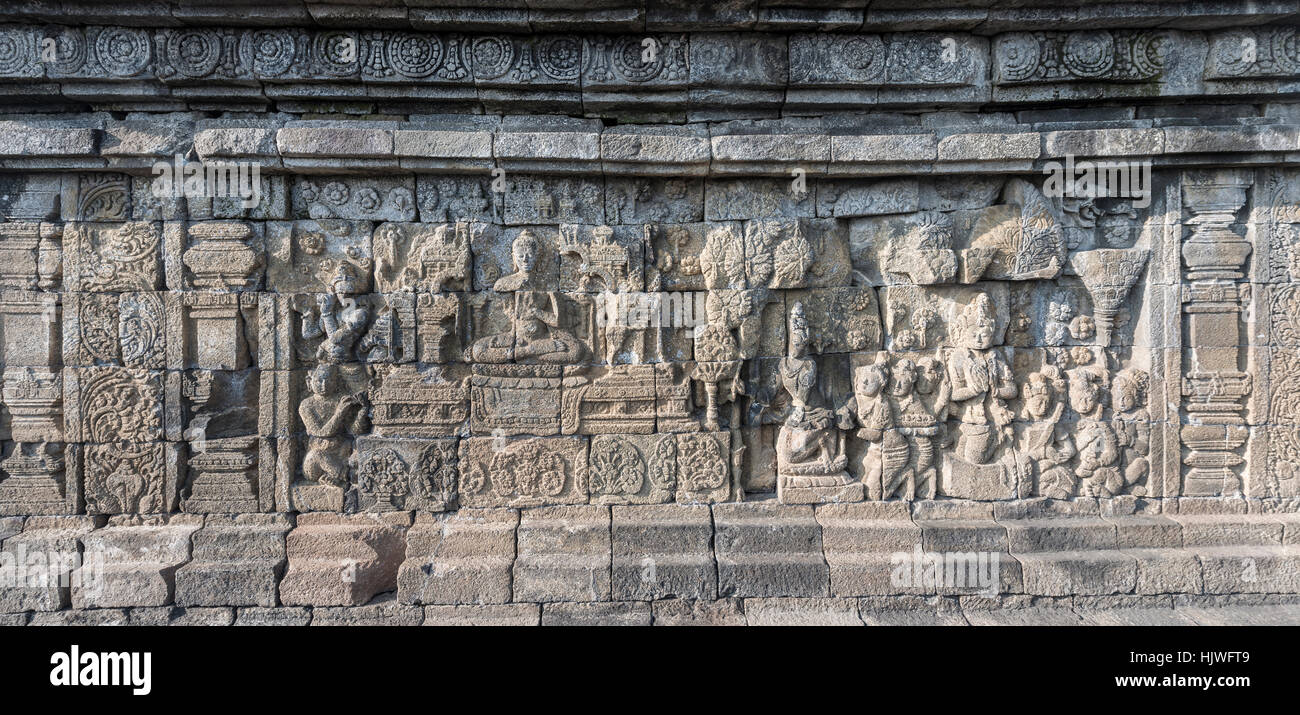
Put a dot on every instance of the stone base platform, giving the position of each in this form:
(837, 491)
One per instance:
(761, 562)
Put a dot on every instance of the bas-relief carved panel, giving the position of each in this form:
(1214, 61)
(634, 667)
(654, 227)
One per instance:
(997, 345)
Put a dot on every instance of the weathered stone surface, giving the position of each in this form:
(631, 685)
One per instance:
(339, 560)
(766, 549)
(552, 304)
(139, 562)
(46, 584)
(662, 552)
(512, 614)
(465, 558)
(383, 611)
(235, 562)
(176, 616)
(625, 613)
(910, 610)
(283, 616)
(864, 544)
(679, 612)
(802, 612)
(564, 555)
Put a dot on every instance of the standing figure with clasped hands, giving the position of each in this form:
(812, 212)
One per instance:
(981, 382)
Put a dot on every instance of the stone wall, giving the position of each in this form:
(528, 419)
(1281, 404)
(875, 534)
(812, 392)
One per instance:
(596, 305)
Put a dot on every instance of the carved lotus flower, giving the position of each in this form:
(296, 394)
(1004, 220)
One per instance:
(313, 244)
(336, 193)
(368, 199)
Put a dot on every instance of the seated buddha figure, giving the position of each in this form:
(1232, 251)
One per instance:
(534, 335)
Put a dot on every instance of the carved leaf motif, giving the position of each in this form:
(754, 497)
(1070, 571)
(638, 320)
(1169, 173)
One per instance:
(121, 405)
(663, 464)
(142, 328)
(617, 468)
(701, 464)
(1285, 312)
(98, 328)
(435, 472)
(793, 259)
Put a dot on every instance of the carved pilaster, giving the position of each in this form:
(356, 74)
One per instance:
(1214, 295)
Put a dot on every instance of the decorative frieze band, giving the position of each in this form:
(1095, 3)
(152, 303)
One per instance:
(677, 76)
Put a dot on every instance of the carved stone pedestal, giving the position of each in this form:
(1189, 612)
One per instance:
(818, 490)
(983, 482)
(316, 497)
(225, 473)
(517, 399)
(36, 482)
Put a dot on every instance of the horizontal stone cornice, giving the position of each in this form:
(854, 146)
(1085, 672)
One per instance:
(543, 145)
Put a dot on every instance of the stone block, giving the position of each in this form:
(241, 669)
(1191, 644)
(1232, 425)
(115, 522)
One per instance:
(341, 560)
(236, 561)
(625, 613)
(663, 552)
(764, 549)
(802, 612)
(459, 559)
(139, 562)
(506, 614)
(564, 555)
(681, 612)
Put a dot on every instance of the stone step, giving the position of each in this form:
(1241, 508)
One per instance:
(1060, 534)
(342, 560)
(1232, 529)
(1075, 572)
(867, 527)
(765, 549)
(563, 554)
(1249, 569)
(662, 551)
(247, 536)
(139, 562)
(237, 561)
(49, 547)
(464, 558)
(1213, 570)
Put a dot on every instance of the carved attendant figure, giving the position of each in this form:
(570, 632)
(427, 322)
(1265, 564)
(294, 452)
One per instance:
(810, 447)
(981, 382)
(1047, 444)
(337, 315)
(1098, 448)
(1132, 425)
(876, 417)
(920, 417)
(328, 418)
